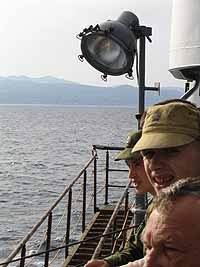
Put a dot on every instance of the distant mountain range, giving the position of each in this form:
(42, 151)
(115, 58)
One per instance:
(51, 90)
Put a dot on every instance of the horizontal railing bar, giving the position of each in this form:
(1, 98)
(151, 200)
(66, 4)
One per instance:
(37, 225)
(120, 186)
(70, 245)
(117, 170)
(102, 147)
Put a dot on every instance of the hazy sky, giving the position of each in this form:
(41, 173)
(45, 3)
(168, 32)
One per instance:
(38, 37)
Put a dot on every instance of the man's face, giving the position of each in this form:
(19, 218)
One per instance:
(167, 165)
(138, 176)
(172, 239)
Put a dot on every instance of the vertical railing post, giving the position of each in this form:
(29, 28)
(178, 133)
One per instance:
(126, 204)
(107, 176)
(114, 234)
(125, 216)
(69, 207)
(23, 254)
(48, 240)
(84, 200)
(95, 184)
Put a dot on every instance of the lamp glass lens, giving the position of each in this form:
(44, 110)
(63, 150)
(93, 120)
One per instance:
(107, 52)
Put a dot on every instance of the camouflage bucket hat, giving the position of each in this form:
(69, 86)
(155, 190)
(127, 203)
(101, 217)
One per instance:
(169, 125)
(126, 154)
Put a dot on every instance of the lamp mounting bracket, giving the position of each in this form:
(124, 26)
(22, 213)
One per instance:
(88, 30)
(144, 31)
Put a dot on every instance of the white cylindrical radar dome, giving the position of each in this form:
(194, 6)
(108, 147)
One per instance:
(184, 57)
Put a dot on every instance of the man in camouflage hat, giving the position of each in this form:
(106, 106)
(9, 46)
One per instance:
(137, 174)
(170, 142)
(170, 146)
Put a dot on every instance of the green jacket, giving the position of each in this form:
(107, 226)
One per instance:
(134, 249)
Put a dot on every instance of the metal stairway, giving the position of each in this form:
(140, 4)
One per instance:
(83, 252)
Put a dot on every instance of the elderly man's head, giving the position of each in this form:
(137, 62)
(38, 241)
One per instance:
(172, 234)
(170, 142)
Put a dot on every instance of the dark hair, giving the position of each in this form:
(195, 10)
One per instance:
(181, 188)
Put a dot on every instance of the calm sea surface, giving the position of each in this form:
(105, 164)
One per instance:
(42, 149)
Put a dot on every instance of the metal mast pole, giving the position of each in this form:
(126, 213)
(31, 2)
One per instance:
(140, 204)
(146, 32)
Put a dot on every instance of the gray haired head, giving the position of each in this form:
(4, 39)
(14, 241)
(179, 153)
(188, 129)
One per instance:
(181, 188)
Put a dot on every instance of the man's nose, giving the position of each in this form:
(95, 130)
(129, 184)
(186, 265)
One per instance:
(155, 161)
(154, 258)
(132, 173)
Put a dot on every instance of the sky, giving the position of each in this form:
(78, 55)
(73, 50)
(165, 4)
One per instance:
(38, 38)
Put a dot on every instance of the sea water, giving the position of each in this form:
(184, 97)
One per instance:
(43, 147)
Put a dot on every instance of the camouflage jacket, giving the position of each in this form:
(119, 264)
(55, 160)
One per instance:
(134, 250)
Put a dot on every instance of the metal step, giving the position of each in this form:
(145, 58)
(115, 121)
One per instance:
(83, 252)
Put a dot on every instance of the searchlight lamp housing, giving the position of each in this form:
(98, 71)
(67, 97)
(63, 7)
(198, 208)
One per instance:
(112, 46)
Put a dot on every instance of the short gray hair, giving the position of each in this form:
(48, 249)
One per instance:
(181, 188)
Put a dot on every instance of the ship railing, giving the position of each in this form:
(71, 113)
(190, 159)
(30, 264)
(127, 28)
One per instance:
(108, 169)
(47, 217)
